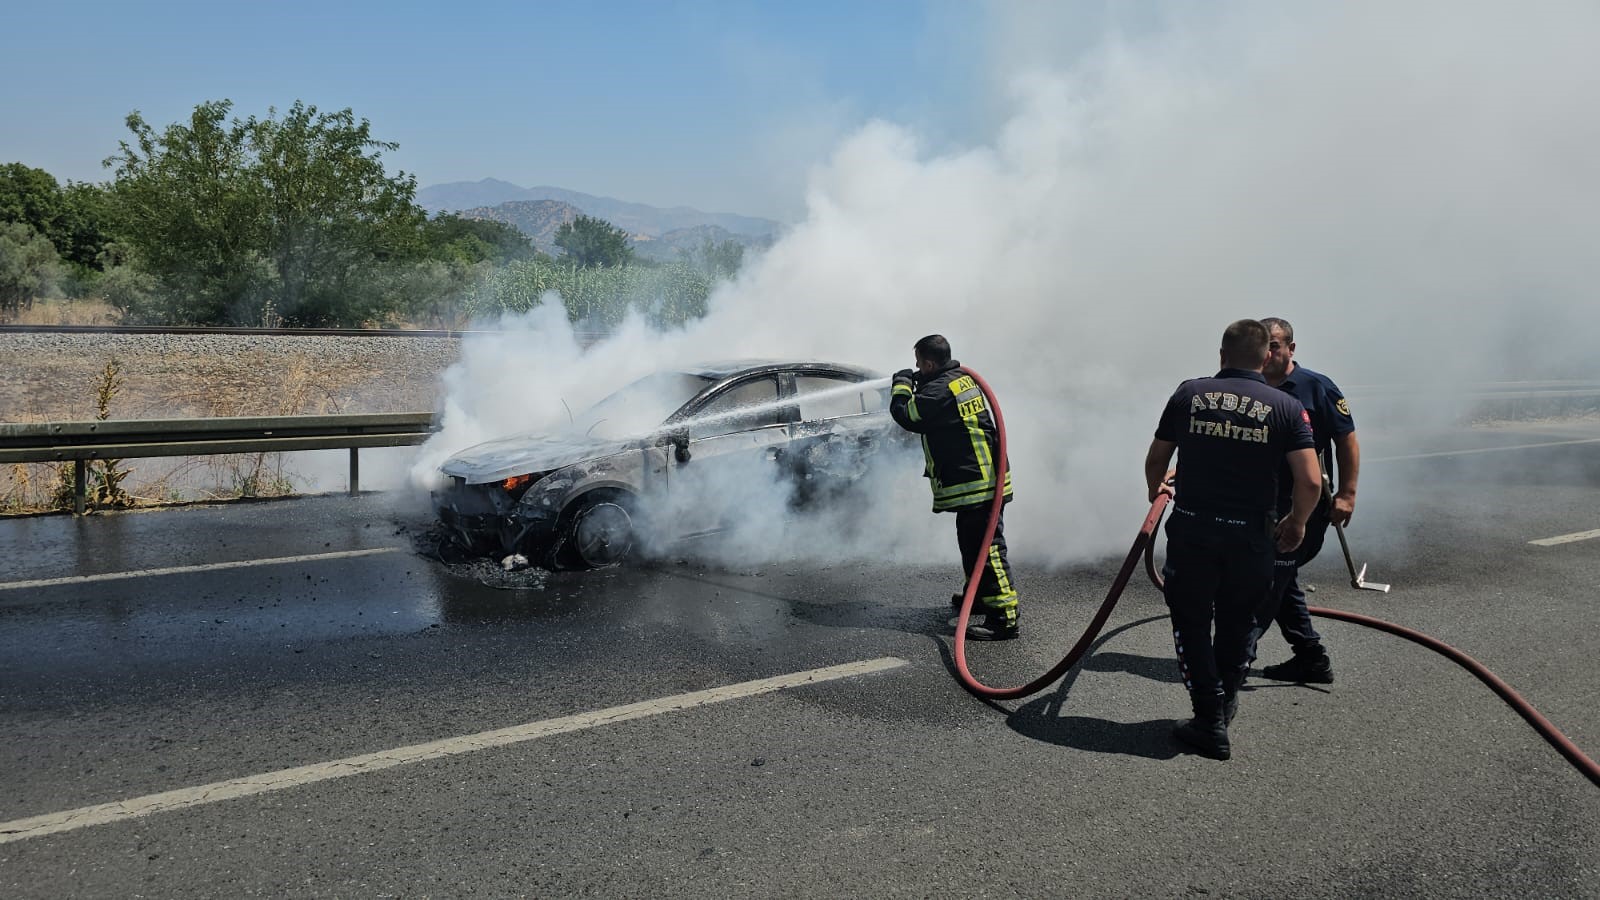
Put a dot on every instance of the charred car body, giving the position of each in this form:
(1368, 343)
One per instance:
(648, 464)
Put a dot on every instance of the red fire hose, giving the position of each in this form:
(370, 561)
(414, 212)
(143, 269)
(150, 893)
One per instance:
(1144, 545)
(1140, 544)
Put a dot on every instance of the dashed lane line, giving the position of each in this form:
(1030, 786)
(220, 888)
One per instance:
(1567, 538)
(185, 570)
(184, 798)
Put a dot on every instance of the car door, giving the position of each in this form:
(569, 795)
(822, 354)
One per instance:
(842, 425)
(737, 440)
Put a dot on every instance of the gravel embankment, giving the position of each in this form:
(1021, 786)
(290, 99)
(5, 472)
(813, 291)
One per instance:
(53, 377)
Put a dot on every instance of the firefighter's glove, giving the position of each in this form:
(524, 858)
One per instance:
(905, 377)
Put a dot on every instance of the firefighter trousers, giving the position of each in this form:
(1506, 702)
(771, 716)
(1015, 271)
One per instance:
(997, 591)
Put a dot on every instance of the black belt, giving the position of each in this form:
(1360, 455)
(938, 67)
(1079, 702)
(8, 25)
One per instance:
(1232, 518)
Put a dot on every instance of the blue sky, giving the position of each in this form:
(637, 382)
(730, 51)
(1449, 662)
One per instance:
(718, 105)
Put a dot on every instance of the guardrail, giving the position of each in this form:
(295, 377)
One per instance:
(81, 442)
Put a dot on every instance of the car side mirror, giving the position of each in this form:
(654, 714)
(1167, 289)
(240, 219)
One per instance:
(679, 439)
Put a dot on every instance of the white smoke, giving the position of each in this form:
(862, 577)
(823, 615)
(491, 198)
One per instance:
(1412, 185)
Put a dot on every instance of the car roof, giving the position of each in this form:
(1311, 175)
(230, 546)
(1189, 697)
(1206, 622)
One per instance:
(729, 368)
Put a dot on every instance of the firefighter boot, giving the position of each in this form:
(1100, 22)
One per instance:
(1310, 667)
(997, 625)
(1207, 732)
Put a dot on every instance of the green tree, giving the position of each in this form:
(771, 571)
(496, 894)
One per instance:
(29, 266)
(83, 230)
(452, 238)
(591, 242)
(189, 209)
(30, 196)
(334, 215)
(74, 218)
(260, 219)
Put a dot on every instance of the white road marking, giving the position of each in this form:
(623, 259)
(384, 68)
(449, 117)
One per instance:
(183, 798)
(184, 570)
(1481, 450)
(1567, 538)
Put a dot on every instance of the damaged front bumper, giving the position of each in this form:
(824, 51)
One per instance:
(491, 520)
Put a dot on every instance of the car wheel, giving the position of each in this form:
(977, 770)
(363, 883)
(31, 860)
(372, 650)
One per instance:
(598, 535)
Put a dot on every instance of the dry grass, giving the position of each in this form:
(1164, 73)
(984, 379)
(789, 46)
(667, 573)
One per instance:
(67, 312)
(295, 384)
(301, 392)
(46, 381)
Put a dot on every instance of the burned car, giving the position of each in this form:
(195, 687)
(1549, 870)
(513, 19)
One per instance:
(660, 459)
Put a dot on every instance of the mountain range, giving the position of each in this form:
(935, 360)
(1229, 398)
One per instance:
(539, 211)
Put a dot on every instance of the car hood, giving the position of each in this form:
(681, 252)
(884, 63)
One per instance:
(525, 454)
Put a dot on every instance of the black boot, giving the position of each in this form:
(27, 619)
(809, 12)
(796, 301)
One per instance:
(1311, 667)
(994, 627)
(1207, 732)
(955, 601)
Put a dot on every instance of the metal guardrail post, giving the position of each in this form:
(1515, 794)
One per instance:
(355, 471)
(80, 485)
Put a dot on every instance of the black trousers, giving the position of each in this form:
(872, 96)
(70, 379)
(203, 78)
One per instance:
(996, 590)
(1286, 600)
(1217, 575)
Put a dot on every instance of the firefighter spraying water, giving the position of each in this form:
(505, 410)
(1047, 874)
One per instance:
(942, 404)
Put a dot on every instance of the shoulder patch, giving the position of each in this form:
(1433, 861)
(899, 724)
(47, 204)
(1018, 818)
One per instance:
(1343, 406)
(1305, 416)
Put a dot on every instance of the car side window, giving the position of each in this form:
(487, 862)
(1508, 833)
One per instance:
(824, 397)
(752, 404)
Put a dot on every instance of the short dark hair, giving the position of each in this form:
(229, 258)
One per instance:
(1282, 325)
(1244, 344)
(934, 348)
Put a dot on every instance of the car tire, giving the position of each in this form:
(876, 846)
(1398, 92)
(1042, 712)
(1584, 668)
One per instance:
(598, 533)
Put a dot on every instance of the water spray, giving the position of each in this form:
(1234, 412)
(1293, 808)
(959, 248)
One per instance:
(844, 390)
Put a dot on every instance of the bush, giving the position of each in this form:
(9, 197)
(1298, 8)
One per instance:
(29, 267)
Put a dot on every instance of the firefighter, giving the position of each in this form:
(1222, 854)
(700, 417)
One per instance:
(1335, 434)
(1232, 433)
(942, 404)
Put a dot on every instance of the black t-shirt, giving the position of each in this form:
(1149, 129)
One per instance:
(1232, 432)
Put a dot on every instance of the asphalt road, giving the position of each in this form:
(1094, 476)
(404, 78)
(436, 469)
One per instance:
(1406, 777)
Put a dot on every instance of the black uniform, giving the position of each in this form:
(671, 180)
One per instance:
(1232, 432)
(1330, 418)
(959, 441)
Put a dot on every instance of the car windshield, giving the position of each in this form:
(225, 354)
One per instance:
(640, 407)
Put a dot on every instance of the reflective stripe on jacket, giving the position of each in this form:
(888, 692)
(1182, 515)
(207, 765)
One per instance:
(949, 411)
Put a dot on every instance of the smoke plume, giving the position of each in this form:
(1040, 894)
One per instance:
(1412, 185)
